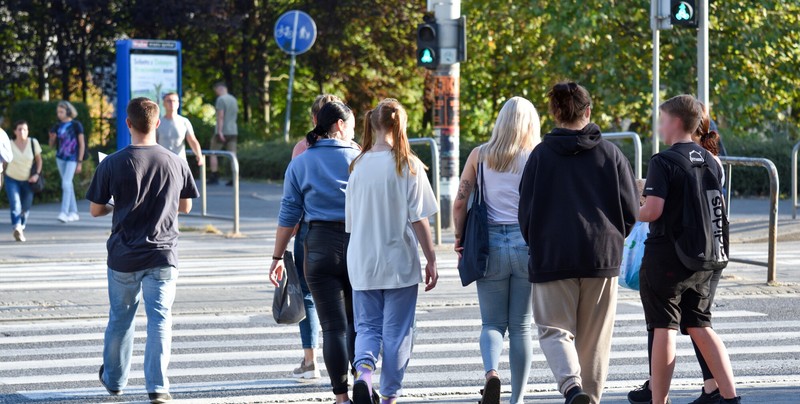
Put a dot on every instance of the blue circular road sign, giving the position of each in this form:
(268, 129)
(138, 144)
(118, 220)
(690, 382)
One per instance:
(295, 32)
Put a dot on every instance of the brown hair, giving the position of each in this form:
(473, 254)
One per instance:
(19, 123)
(568, 102)
(704, 136)
(686, 108)
(320, 102)
(389, 115)
(171, 93)
(143, 114)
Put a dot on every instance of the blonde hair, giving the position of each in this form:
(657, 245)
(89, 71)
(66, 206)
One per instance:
(389, 115)
(71, 111)
(516, 132)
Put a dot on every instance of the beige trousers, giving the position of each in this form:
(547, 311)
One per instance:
(575, 318)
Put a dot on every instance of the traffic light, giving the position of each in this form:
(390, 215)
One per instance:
(428, 45)
(684, 13)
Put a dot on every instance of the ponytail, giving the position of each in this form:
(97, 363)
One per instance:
(703, 135)
(389, 116)
(329, 115)
(710, 142)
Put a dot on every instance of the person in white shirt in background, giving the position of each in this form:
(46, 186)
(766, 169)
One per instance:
(388, 201)
(5, 152)
(175, 131)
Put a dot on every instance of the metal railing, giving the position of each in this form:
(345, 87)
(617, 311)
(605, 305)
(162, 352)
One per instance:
(637, 148)
(436, 178)
(795, 203)
(771, 264)
(204, 187)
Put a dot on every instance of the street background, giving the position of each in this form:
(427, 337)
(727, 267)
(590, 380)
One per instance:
(227, 348)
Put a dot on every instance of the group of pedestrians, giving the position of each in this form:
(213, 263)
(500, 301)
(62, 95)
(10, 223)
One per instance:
(559, 207)
(21, 164)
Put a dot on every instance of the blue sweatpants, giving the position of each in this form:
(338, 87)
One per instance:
(385, 318)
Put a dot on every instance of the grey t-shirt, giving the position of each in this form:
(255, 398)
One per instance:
(147, 183)
(172, 134)
(227, 104)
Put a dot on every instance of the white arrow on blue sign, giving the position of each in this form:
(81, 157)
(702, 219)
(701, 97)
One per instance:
(295, 32)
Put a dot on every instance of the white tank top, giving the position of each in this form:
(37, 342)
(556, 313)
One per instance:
(501, 195)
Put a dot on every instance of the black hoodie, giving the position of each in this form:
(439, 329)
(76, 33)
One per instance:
(578, 201)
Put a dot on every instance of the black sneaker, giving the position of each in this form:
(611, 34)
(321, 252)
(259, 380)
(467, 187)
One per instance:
(491, 391)
(576, 395)
(361, 394)
(707, 398)
(735, 400)
(112, 392)
(641, 395)
(213, 179)
(158, 398)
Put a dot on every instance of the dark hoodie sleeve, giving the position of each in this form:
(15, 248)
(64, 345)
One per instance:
(629, 198)
(526, 186)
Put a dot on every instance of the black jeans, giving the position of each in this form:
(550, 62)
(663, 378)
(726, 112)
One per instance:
(712, 291)
(326, 275)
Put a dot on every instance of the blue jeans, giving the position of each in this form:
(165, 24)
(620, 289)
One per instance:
(20, 199)
(67, 171)
(125, 290)
(385, 318)
(309, 327)
(504, 295)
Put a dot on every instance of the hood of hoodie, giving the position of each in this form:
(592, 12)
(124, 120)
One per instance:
(571, 142)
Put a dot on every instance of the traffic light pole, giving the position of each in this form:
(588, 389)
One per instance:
(702, 54)
(446, 111)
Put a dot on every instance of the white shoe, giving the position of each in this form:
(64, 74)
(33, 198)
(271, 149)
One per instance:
(63, 218)
(73, 217)
(19, 235)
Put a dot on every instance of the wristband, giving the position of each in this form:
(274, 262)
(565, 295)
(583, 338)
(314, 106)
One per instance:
(274, 258)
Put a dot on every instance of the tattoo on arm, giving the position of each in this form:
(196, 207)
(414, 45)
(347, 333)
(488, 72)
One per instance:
(464, 190)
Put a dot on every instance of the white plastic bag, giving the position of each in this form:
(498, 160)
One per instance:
(632, 254)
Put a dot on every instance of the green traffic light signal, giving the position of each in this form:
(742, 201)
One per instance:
(683, 13)
(426, 56)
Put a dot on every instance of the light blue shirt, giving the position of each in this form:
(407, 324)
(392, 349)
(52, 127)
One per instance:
(315, 183)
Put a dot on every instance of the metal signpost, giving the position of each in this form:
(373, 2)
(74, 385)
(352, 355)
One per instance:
(295, 33)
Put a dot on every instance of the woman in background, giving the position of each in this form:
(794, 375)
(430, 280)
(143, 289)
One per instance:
(68, 138)
(19, 174)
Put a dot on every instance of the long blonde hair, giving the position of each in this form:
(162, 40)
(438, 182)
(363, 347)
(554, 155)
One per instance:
(516, 132)
(389, 115)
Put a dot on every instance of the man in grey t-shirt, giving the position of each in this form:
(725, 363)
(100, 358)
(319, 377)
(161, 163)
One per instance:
(175, 131)
(225, 132)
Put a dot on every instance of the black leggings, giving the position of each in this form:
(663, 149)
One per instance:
(712, 291)
(326, 275)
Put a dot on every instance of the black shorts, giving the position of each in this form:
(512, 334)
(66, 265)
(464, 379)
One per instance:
(673, 296)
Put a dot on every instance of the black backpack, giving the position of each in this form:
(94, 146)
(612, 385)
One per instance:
(703, 243)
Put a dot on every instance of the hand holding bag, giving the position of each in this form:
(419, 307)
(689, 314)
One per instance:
(632, 254)
(38, 186)
(287, 302)
(475, 239)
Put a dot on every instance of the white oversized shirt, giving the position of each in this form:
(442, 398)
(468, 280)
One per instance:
(380, 207)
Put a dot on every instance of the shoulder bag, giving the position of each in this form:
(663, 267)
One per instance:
(475, 239)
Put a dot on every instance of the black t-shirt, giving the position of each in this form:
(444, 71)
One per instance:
(147, 183)
(665, 180)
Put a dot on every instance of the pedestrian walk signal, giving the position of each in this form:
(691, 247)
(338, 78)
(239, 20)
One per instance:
(428, 44)
(426, 56)
(684, 13)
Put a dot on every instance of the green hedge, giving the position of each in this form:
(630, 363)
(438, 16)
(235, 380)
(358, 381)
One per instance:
(52, 191)
(41, 116)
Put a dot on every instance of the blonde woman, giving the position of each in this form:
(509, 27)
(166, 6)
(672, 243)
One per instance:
(504, 293)
(387, 205)
(67, 134)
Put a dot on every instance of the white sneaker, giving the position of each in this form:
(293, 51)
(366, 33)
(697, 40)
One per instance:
(73, 217)
(19, 235)
(63, 218)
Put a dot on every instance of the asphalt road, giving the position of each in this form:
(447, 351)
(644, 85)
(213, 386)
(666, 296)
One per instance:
(227, 349)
